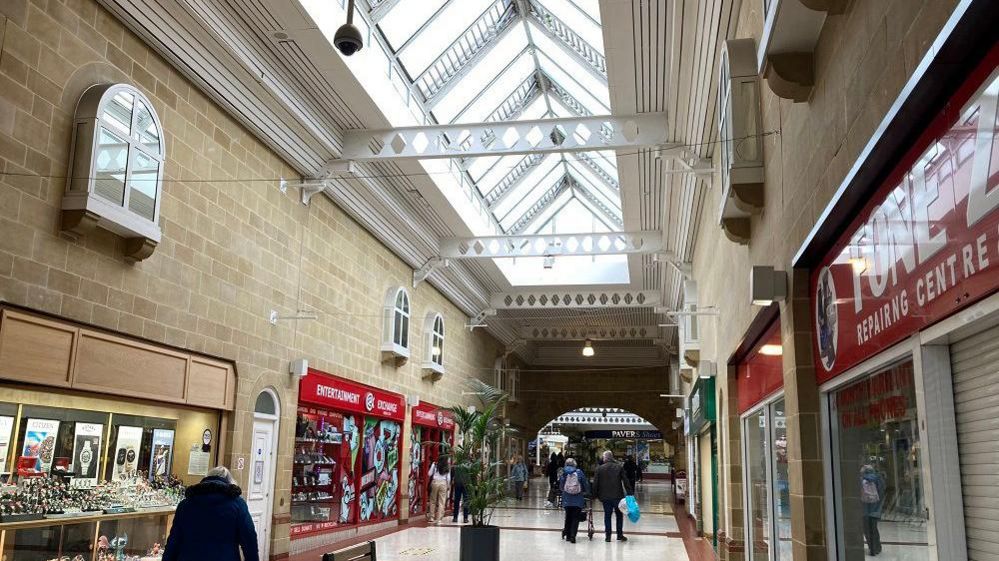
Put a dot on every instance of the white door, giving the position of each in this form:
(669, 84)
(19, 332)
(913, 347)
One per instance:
(260, 482)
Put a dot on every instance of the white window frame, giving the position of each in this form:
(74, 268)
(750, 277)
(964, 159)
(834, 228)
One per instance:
(396, 343)
(765, 405)
(433, 365)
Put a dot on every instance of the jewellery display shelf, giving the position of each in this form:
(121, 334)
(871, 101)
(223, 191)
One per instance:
(88, 537)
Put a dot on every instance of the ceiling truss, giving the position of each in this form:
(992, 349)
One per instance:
(545, 245)
(558, 299)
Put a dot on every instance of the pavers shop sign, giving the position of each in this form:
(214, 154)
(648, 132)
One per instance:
(926, 245)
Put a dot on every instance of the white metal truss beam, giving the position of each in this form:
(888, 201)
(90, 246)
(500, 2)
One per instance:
(578, 134)
(598, 171)
(543, 245)
(624, 332)
(574, 45)
(556, 299)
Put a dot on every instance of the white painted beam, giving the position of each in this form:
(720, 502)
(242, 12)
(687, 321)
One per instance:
(542, 245)
(560, 299)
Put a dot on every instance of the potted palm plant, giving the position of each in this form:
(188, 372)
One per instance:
(480, 429)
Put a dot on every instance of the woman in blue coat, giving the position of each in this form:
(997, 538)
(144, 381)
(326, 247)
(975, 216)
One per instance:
(212, 522)
(575, 488)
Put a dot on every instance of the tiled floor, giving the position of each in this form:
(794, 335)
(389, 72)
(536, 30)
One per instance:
(530, 531)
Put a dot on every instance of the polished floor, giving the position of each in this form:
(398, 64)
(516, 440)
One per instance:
(531, 531)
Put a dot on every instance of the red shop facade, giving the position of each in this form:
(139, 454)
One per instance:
(346, 464)
(430, 436)
(904, 282)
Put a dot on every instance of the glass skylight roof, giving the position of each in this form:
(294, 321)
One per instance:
(470, 61)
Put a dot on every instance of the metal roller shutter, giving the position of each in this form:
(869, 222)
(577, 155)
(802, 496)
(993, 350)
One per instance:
(975, 364)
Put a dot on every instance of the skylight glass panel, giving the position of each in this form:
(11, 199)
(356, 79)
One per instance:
(539, 191)
(478, 167)
(514, 82)
(549, 170)
(537, 110)
(571, 75)
(484, 70)
(504, 166)
(546, 220)
(405, 19)
(573, 270)
(578, 21)
(439, 35)
(596, 188)
(589, 7)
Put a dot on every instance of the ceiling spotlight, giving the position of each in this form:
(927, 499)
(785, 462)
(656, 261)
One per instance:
(771, 349)
(588, 348)
(435, 351)
(549, 261)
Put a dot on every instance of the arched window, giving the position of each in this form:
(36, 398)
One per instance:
(116, 169)
(395, 334)
(433, 363)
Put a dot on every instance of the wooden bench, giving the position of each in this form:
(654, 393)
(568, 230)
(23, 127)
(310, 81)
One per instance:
(361, 552)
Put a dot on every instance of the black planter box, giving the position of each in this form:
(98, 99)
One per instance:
(480, 543)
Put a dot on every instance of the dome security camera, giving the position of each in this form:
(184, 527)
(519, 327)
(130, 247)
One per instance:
(348, 38)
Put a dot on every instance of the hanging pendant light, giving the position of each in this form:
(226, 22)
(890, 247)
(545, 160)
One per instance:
(588, 348)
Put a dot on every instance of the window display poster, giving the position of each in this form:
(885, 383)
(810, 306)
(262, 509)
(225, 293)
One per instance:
(39, 442)
(86, 450)
(197, 463)
(6, 426)
(159, 460)
(126, 455)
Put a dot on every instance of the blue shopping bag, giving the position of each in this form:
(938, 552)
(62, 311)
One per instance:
(633, 512)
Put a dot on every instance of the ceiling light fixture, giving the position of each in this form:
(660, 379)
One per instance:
(588, 348)
(771, 349)
(767, 285)
(435, 350)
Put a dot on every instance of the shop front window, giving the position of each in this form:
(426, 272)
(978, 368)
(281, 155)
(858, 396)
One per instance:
(756, 469)
(877, 468)
(782, 485)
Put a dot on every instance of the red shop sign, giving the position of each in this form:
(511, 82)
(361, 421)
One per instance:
(926, 245)
(762, 373)
(429, 415)
(343, 395)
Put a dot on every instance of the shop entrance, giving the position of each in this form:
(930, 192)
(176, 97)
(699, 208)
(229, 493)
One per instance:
(260, 480)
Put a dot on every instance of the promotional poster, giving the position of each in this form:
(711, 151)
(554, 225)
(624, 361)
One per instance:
(162, 454)
(87, 450)
(126, 456)
(39, 442)
(6, 426)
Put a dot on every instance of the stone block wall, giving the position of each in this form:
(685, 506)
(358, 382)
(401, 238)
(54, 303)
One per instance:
(234, 247)
(863, 58)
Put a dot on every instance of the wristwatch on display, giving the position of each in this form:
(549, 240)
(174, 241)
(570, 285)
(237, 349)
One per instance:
(86, 456)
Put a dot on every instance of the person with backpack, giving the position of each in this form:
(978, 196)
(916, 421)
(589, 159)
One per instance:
(872, 494)
(574, 487)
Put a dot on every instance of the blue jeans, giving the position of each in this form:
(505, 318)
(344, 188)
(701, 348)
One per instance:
(459, 495)
(611, 507)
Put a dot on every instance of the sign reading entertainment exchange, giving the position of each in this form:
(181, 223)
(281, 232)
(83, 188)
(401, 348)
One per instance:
(927, 243)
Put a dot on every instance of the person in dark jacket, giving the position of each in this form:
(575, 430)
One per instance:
(631, 469)
(573, 500)
(551, 470)
(459, 497)
(561, 460)
(610, 485)
(212, 522)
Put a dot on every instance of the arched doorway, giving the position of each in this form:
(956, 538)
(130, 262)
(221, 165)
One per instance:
(260, 481)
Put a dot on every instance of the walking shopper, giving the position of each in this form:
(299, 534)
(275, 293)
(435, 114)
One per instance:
(212, 522)
(518, 474)
(574, 487)
(460, 496)
(872, 492)
(631, 469)
(440, 482)
(551, 470)
(610, 485)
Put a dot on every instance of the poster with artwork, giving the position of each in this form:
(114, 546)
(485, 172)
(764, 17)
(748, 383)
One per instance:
(162, 454)
(126, 453)
(39, 442)
(6, 426)
(87, 450)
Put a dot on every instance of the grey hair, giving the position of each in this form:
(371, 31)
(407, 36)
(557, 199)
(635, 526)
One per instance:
(571, 462)
(222, 473)
(608, 455)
